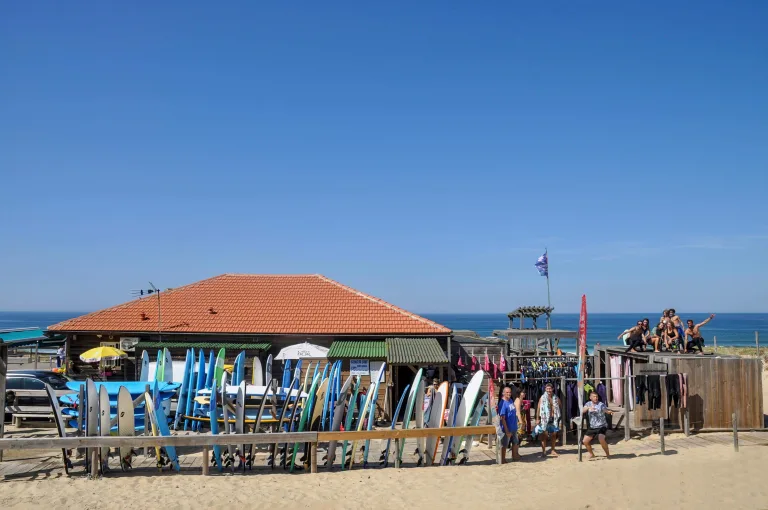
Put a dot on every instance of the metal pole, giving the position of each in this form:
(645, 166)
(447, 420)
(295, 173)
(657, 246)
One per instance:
(757, 342)
(37, 353)
(563, 407)
(735, 421)
(626, 408)
(661, 435)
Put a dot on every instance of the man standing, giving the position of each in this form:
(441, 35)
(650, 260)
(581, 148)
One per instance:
(60, 357)
(696, 339)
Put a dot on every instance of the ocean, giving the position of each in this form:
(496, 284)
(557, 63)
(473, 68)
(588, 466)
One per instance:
(732, 329)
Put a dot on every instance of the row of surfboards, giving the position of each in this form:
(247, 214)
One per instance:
(325, 403)
(98, 420)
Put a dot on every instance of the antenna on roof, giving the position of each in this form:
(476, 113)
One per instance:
(157, 291)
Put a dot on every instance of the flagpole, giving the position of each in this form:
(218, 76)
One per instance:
(549, 300)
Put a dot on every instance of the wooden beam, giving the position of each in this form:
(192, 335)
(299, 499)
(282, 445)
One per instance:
(206, 460)
(313, 457)
(139, 441)
(405, 433)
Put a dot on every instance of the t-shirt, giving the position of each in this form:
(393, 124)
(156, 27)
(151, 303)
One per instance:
(596, 415)
(507, 412)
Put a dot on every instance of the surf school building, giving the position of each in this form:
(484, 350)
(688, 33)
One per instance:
(262, 314)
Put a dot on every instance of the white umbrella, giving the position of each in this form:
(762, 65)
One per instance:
(304, 350)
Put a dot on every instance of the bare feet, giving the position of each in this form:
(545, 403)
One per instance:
(590, 456)
(518, 458)
(553, 453)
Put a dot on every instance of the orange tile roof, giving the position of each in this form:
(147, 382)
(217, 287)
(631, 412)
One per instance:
(258, 304)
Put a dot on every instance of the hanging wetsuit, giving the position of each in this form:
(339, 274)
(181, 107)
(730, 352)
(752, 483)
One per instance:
(673, 390)
(640, 387)
(654, 392)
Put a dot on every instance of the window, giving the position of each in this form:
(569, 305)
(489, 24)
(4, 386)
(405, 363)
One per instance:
(57, 382)
(13, 383)
(32, 384)
(111, 362)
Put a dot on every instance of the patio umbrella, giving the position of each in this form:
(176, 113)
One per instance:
(102, 353)
(303, 350)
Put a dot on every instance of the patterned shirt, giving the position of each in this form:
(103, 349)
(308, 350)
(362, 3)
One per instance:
(596, 415)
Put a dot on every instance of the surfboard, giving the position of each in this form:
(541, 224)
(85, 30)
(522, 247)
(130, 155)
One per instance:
(439, 402)
(322, 391)
(144, 373)
(409, 408)
(467, 408)
(216, 459)
(189, 407)
(104, 426)
(199, 384)
(338, 414)
(240, 423)
(238, 371)
(372, 412)
(349, 422)
(92, 416)
(125, 425)
(317, 368)
(385, 454)
(229, 460)
(59, 424)
(281, 423)
(160, 428)
(181, 404)
(268, 369)
(219, 371)
(250, 454)
(306, 374)
(365, 410)
(257, 377)
(167, 366)
(305, 413)
(329, 398)
(474, 422)
(158, 365)
(453, 409)
(210, 369)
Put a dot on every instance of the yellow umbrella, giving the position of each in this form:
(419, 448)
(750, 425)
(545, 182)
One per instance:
(101, 353)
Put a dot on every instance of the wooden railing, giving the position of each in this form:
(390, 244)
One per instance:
(207, 441)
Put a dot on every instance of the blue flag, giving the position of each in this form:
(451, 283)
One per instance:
(542, 264)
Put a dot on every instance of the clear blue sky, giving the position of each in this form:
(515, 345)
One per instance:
(423, 152)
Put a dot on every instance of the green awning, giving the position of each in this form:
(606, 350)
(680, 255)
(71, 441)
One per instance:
(253, 346)
(357, 349)
(29, 336)
(415, 351)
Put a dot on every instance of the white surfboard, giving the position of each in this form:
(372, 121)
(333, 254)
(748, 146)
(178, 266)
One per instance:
(439, 403)
(92, 413)
(144, 373)
(59, 424)
(257, 378)
(418, 418)
(338, 414)
(467, 407)
(104, 426)
(125, 424)
(167, 367)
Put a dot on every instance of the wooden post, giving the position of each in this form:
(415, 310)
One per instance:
(206, 460)
(626, 407)
(94, 463)
(3, 372)
(735, 421)
(661, 435)
(564, 425)
(757, 342)
(714, 339)
(397, 453)
(686, 423)
(313, 457)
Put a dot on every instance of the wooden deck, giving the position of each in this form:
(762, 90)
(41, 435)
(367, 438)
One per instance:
(36, 464)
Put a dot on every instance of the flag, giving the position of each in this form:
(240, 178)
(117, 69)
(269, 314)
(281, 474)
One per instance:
(542, 264)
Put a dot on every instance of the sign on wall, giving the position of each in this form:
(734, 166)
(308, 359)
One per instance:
(359, 367)
(375, 367)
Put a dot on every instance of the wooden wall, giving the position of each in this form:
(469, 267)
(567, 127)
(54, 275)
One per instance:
(717, 387)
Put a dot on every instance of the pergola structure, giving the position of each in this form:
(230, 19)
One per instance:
(530, 312)
(532, 340)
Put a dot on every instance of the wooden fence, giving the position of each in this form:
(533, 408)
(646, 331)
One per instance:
(207, 441)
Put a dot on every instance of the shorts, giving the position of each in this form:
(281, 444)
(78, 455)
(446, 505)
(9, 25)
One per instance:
(550, 429)
(596, 432)
(507, 441)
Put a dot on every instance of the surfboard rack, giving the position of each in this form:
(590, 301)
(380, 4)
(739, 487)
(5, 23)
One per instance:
(208, 441)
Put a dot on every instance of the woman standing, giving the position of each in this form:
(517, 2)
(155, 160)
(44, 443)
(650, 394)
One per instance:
(548, 422)
(519, 410)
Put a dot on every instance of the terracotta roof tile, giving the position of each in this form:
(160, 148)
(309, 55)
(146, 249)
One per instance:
(258, 304)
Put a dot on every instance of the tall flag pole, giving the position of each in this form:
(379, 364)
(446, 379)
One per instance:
(542, 264)
(582, 362)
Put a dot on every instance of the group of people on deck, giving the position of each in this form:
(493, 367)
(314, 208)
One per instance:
(511, 427)
(668, 334)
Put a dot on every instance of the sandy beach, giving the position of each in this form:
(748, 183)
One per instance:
(713, 476)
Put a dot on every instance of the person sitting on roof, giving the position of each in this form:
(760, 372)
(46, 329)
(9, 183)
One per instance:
(696, 339)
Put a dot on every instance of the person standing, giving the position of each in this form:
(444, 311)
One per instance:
(678, 323)
(548, 422)
(60, 357)
(507, 431)
(696, 339)
(598, 425)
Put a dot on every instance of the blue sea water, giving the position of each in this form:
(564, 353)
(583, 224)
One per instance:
(734, 329)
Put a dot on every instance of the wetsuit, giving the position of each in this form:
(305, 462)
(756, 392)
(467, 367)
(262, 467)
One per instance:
(635, 341)
(696, 342)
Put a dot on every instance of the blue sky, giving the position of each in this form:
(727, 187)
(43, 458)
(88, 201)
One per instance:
(425, 153)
